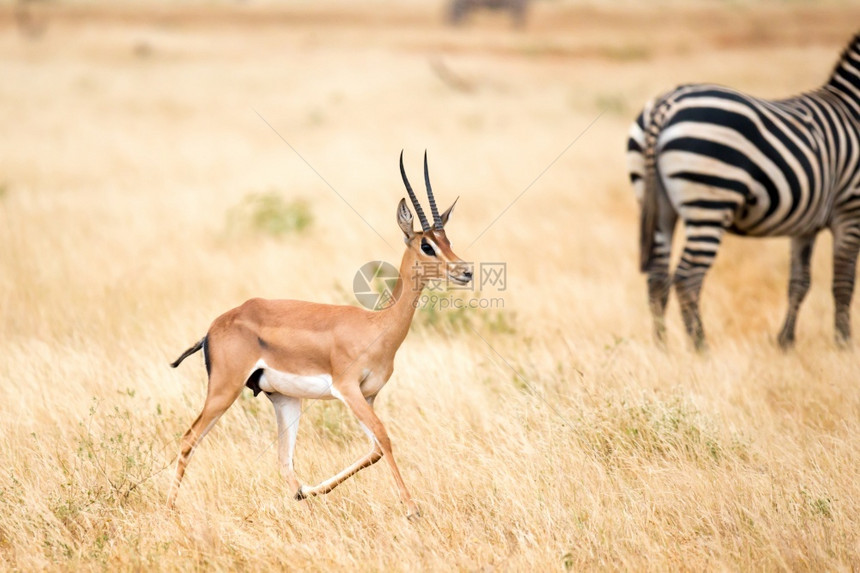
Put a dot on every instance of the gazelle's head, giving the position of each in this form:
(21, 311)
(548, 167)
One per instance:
(430, 245)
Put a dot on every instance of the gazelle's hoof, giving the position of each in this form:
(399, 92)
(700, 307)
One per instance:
(785, 343)
(301, 493)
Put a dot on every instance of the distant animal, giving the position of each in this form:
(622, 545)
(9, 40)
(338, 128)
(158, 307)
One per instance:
(723, 161)
(31, 17)
(293, 350)
(459, 10)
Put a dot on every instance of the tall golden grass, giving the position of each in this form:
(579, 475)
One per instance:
(550, 435)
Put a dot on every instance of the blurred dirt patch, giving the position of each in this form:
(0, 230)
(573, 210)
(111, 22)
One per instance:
(556, 30)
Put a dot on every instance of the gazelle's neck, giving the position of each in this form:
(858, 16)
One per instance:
(407, 292)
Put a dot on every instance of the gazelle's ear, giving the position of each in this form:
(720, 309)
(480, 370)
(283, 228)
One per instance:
(404, 219)
(447, 213)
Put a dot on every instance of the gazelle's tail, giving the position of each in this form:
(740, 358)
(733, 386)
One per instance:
(200, 345)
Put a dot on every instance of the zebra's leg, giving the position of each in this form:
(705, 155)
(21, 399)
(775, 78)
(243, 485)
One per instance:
(846, 244)
(798, 285)
(659, 281)
(659, 285)
(700, 249)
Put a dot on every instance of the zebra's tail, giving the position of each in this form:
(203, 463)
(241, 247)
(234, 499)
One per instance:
(198, 346)
(650, 207)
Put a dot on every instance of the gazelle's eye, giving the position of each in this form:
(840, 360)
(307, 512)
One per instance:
(427, 249)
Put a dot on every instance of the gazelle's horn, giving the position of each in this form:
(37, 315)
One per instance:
(418, 210)
(437, 220)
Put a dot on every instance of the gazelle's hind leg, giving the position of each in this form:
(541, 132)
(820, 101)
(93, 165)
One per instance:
(798, 286)
(288, 410)
(702, 240)
(216, 404)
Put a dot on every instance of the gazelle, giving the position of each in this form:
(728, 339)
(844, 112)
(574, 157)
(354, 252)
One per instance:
(294, 350)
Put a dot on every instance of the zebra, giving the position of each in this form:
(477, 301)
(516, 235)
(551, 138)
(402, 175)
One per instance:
(458, 10)
(722, 160)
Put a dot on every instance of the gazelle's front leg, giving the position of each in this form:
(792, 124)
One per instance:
(364, 461)
(363, 409)
(288, 410)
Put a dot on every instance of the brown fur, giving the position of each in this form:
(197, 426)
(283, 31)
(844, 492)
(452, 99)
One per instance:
(355, 346)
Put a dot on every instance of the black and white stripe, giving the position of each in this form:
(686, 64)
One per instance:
(721, 160)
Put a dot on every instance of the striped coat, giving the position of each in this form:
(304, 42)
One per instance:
(722, 161)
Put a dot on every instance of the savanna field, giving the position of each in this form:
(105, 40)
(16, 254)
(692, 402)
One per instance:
(161, 164)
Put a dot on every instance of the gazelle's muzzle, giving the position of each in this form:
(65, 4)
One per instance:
(460, 273)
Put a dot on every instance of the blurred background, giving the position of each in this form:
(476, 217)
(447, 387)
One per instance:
(140, 127)
(162, 162)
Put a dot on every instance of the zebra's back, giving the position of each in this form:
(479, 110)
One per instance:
(779, 166)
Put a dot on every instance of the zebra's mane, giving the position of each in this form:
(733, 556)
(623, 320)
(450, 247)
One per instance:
(852, 47)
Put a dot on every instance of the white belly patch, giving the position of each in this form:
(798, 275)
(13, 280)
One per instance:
(295, 385)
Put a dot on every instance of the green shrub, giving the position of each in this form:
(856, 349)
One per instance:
(268, 213)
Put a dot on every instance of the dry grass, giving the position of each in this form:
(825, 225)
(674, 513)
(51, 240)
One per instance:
(131, 139)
